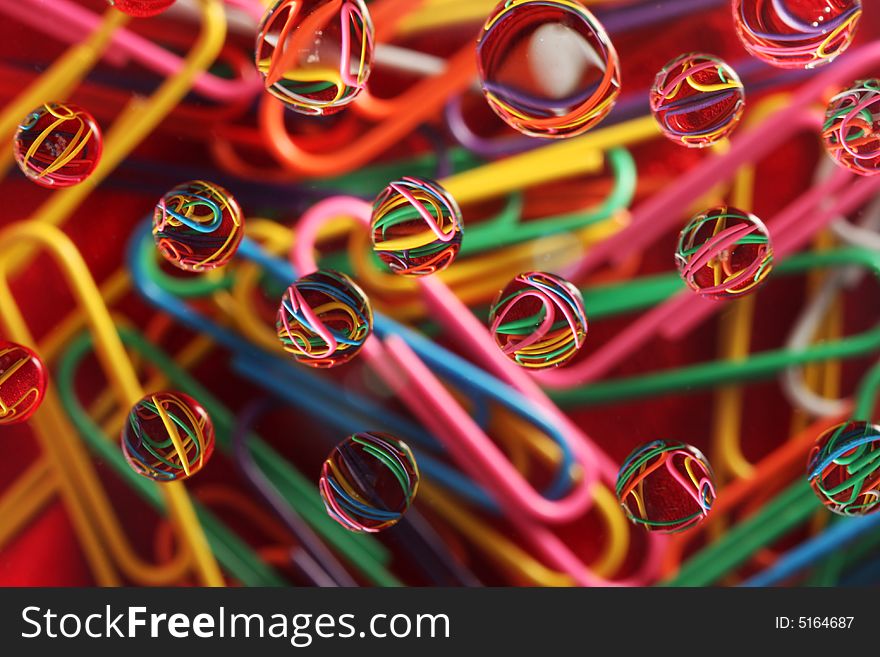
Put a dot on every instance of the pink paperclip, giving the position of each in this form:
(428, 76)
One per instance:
(477, 454)
(790, 229)
(77, 21)
(796, 236)
(542, 540)
(659, 214)
(473, 449)
(449, 311)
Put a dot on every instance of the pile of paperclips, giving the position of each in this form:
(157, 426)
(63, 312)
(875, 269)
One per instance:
(515, 490)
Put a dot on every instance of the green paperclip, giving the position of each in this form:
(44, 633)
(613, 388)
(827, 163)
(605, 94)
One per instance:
(507, 228)
(789, 509)
(621, 298)
(363, 552)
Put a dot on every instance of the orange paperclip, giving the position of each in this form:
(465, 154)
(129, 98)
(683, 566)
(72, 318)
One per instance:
(77, 479)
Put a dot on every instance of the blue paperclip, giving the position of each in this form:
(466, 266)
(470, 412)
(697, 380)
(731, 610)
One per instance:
(806, 554)
(320, 399)
(480, 384)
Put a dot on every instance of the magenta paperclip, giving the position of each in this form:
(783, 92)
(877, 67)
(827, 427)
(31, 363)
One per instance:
(77, 21)
(791, 228)
(429, 400)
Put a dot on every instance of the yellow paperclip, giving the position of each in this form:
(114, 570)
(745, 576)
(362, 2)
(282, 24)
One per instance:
(34, 488)
(139, 117)
(735, 338)
(38, 484)
(495, 268)
(568, 157)
(84, 497)
(735, 334)
(734, 343)
(59, 79)
(132, 126)
(515, 561)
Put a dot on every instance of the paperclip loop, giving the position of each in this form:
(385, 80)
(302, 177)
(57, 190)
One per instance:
(429, 400)
(423, 100)
(419, 102)
(735, 337)
(822, 318)
(83, 493)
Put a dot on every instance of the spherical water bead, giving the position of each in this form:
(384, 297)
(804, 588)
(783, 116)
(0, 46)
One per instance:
(141, 8)
(324, 319)
(197, 226)
(724, 253)
(844, 468)
(666, 486)
(539, 320)
(58, 145)
(852, 128)
(548, 69)
(796, 33)
(369, 481)
(23, 381)
(315, 55)
(697, 100)
(416, 227)
(168, 436)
